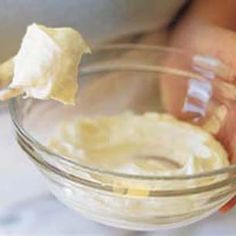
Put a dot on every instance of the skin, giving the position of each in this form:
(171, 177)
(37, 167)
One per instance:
(209, 28)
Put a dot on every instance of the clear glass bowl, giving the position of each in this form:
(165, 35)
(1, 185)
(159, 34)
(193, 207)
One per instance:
(113, 79)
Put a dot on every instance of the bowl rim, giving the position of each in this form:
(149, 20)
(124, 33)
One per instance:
(23, 132)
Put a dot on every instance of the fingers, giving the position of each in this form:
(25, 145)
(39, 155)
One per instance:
(6, 73)
(9, 93)
(228, 206)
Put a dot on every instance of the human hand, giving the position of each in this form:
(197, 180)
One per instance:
(208, 39)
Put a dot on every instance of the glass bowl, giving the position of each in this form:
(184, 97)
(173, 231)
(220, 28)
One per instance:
(114, 79)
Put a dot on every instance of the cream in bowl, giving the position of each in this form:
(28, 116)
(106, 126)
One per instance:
(118, 156)
(148, 144)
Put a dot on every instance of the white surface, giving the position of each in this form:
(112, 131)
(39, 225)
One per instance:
(45, 216)
(19, 180)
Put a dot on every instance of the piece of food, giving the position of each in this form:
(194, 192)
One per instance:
(46, 65)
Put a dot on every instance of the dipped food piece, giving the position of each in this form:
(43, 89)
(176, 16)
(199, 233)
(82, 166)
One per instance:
(46, 65)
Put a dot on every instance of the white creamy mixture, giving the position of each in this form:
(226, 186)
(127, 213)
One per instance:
(149, 144)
